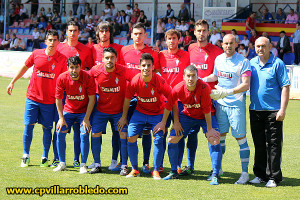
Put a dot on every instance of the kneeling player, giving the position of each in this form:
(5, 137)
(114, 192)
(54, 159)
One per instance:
(195, 97)
(150, 89)
(80, 89)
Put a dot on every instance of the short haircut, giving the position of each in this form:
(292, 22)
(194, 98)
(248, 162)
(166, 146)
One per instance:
(202, 22)
(146, 56)
(109, 27)
(73, 23)
(139, 25)
(242, 45)
(172, 32)
(191, 68)
(109, 50)
(52, 32)
(234, 31)
(246, 36)
(282, 32)
(75, 60)
(298, 23)
(192, 19)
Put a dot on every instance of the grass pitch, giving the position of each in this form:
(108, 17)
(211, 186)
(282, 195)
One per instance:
(144, 187)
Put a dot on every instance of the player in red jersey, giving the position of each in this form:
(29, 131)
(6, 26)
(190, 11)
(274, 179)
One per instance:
(80, 89)
(130, 56)
(112, 80)
(195, 96)
(151, 89)
(105, 35)
(40, 102)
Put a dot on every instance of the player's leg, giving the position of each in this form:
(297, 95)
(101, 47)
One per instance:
(84, 144)
(115, 142)
(161, 168)
(54, 141)
(77, 143)
(146, 143)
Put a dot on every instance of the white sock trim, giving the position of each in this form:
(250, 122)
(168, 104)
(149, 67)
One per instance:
(242, 141)
(245, 149)
(244, 159)
(25, 155)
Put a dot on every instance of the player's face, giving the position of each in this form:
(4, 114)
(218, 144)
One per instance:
(172, 42)
(138, 35)
(262, 47)
(109, 60)
(229, 45)
(74, 70)
(104, 35)
(146, 67)
(201, 32)
(52, 42)
(190, 78)
(73, 32)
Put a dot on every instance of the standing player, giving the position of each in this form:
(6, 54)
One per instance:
(72, 48)
(195, 97)
(40, 103)
(105, 35)
(173, 62)
(111, 81)
(150, 89)
(130, 56)
(80, 90)
(233, 72)
(202, 56)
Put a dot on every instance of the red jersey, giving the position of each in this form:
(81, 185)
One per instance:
(45, 72)
(111, 87)
(196, 103)
(97, 52)
(173, 65)
(80, 50)
(187, 39)
(251, 22)
(150, 96)
(90, 45)
(131, 57)
(77, 91)
(204, 59)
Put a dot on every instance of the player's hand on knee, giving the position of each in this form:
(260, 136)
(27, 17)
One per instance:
(177, 128)
(9, 89)
(159, 127)
(213, 136)
(121, 123)
(61, 122)
(86, 125)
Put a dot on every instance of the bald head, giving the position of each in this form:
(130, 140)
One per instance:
(262, 47)
(229, 45)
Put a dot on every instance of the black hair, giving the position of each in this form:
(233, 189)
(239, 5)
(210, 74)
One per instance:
(75, 60)
(109, 50)
(146, 56)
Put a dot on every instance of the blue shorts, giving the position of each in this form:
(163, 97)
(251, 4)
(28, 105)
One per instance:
(100, 121)
(139, 121)
(189, 123)
(132, 106)
(232, 117)
(38, 112)
(56, 116)
(72, 118)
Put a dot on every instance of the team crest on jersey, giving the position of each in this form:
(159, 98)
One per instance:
(177, 62)
(77, 54)
(53, 66)
(205, 57)
(152, 91)
(80, 89)
(117, 80)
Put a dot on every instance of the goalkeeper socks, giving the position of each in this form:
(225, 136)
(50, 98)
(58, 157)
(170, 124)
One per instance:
(192, 144)
(222, 142)
(27, 138)
(244, 154)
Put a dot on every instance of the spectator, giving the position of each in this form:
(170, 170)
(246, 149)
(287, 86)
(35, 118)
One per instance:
(75, 4)
(160, 30)
(254, 36)
(23, 12)
(107, 11)
(223, 34)
(70, 16)
(129, 10)
(56, 21)
(242, 50)
(187, 40)
(49, 26)
(42, 23)
(184, 26)
(192, 28)
(116, 27)
(169, 25)
(178, 26)
(90, 26)
(89, 16)
(33, 20)
(42, 10)
(114, 11)
(265, 34)
(48, 15)
(215, 37)
(130, 24)
(136, 9)
(42, 37)
(5, 43)
(90, 43)
(169, 13)
(251, 51)
(250, 24)
(134, 17)
(88, 8)
(245, 41)
(292, 18)
(124, 20)
(280, 16)
(36, 41)
(82, 24)
(183, 13)
(102, 17)
(15, 16)
(220, 44)
(274, 50)
(83, 37)
(19, 46)
(13, 41)
(283, 45)
(56, 5)
(34, 6)
(181, 40)
(142, 18)
(214, 27)
(266, 16)
(296, 41)
(81, 8)
(234, 33)
(64, 19)
(158, 45)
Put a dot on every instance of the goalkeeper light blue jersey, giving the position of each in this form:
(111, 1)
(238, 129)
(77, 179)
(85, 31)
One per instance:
(229, 72)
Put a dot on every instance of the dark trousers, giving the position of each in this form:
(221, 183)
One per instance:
(297, 53)
(267, 139)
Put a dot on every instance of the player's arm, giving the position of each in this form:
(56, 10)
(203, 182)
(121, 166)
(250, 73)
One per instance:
(285, 93)
(245, 85)
(86, 121)
(61, 122)
(123, 120)
(212, 135)
(161, 126)
(210, 78)
(20, 73)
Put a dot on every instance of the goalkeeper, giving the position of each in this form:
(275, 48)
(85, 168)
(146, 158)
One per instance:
(233, 73)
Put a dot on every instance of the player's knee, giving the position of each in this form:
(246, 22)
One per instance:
(65, 131)
(132, 139)
(223, 134)
(240, 138)
(158, 140)
(146, 132)
(32, 124)
(96, 134)
(174, 139)
(213, 140)
(123, 135)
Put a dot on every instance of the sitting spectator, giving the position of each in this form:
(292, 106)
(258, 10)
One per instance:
(90, 42)
(136, 9)
(292, 18)
(13, 41)
(89, 16)
(114, 11)
(107, 11)
(5, 43)
(251, 51)
(42, 37)
(160, 30)
(33, 20)
(184, 26)
(42, 10)
(42, 24)
(169, 25)
(183, 13)
(15, 16)
(49, 13)
(181, 40)
(70, 16)
(245, 41)
(254, 36)
(130, 24)
(90, 26)
(283, 45)
(234, 33)
(219, 44)
(63, 19)
(88, 8)
(134, 17)
(82, 24)
(36, 36)
(129, 10)
(23, 12)
(280, 16)
(142, 18)
(214, 27)
(215, 37)
(56, 21)
(158, 45)
(42, 16)
(19, 46)
(242, 50)
(265, 34)
(178, 26)
(116, 27)
(192, 28)
(223, 34)
(102, 17)
(187, 40)
(169, 13)
(266, 16)
(274, 50)
(83, 37)
(124, 20)
(49, 26)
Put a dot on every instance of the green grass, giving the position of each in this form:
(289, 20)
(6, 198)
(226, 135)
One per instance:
(144, 187)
